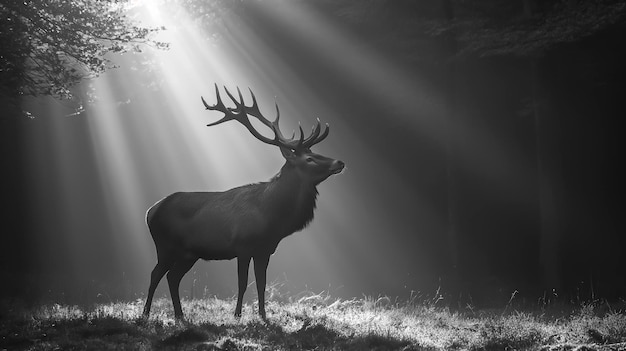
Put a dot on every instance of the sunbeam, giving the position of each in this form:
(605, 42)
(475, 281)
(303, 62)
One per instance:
(146, 138)
(418, 106)
(279, 174)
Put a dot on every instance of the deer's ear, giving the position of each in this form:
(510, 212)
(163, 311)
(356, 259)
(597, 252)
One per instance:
(288, 154)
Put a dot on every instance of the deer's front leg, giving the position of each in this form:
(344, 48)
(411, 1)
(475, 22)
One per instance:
(243, 263)
(260, 272)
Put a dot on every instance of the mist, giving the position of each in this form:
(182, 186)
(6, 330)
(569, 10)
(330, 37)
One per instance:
(444, 190)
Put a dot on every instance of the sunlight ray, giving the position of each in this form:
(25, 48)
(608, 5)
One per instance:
(122, 184)
(422, 110)
(158, 144)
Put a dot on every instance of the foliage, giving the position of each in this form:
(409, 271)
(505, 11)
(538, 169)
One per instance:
(534, 34)
(318, 322)
(482, 27)
(46, 47)
(214, 16)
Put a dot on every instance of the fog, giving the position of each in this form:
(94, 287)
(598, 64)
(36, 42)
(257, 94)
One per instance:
(382, 227)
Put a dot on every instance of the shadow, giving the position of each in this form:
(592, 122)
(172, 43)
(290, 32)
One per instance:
(107, 332)
(311, 336)
(105, 327)
(191, 335)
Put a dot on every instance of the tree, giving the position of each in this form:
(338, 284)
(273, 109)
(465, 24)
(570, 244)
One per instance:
(527, 31)
(46, 47)
(531, 33)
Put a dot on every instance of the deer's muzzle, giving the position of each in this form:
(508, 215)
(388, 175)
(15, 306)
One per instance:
(337, 166)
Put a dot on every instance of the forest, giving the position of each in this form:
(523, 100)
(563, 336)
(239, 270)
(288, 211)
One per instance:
(481, 141)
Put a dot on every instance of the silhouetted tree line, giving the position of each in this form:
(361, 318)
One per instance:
(569, 54)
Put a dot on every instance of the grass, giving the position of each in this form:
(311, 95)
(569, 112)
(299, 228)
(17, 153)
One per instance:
(315, 322)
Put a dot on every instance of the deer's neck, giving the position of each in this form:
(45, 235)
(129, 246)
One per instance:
(291, 199)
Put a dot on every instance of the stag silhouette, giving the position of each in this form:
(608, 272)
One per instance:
(246, 222)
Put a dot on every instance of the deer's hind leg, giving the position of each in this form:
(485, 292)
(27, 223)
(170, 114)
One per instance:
(175, 275)
(162, 267)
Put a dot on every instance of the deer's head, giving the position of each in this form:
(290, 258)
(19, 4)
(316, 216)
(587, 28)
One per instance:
(311, 167)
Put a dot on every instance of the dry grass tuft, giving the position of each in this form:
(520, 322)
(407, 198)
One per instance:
(310, 321)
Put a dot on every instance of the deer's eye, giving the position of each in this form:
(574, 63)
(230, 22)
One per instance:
(310, 159)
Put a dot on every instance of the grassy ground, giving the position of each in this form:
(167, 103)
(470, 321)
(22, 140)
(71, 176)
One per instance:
(311, 323)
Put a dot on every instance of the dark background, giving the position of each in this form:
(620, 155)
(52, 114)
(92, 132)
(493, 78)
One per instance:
(539, 211)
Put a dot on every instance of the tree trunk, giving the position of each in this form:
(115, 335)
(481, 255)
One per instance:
(452, 236)
(546, 153)
(547, 165)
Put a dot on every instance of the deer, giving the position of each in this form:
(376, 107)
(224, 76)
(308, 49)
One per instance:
(245, 222)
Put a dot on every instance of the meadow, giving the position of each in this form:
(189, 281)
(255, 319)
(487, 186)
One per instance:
(311, 322)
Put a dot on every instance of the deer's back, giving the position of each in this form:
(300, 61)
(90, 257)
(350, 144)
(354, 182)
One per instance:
(212, 225)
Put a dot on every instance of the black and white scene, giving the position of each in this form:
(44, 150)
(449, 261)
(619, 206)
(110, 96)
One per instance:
(312, 175)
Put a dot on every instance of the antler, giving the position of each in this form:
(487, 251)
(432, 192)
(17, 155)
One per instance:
(241, 112)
